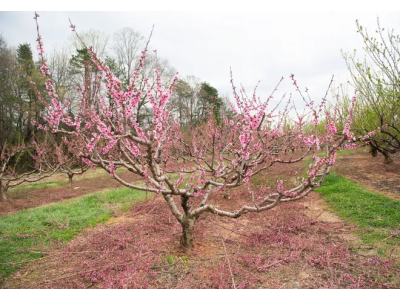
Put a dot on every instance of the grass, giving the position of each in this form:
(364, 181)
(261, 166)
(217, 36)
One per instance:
(365, 207)
(38, 185)
(45, 184)
(62, 221)
(375, 214)
(348, 151)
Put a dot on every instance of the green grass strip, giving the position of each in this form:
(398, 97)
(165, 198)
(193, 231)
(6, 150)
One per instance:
(375, 214)
(41, 225)
(47, 184)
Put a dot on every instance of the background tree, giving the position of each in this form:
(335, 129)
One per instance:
(127, 46)
(193, 102)
(59, 63)
(83, 70)
(20, 109)
(15, 169)
(185, 102)
(210, 102)
(26, 94)
(8, 78)
(84, 73)
(28, 105)
(377, 79)
(68, 154)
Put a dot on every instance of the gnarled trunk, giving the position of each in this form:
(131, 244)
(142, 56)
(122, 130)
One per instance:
(3, 192)
(388, 158)
(187, 232)
(70, 180)
(374, 151)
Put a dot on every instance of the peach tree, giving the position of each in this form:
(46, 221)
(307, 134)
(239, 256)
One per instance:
(185, 168)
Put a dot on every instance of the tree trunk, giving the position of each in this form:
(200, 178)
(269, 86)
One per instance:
(70, 180)
(374, 151)
(187, 232)
(3, 193)
(388, 158)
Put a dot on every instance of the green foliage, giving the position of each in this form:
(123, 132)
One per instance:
(310, 128)
(81, 59)
(194, 102)
(208, 95)
(36, 185)
(19, 105)
(117, 69)
(25, 58)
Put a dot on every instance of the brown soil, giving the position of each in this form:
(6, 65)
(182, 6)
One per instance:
(371, 172)
(82, 185)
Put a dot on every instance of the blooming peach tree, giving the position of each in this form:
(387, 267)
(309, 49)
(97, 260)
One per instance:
(12, 159)
(186, 168)
(71, 163)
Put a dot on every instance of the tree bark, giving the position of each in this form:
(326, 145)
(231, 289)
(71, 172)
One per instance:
(70, 180)
(374, 151)
(187, 232)
(388, 158)
(3, 193)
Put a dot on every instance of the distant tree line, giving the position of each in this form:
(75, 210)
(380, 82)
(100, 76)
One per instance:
(74, 73)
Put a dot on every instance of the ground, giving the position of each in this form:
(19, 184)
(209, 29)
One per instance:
(28, 195)
(295, 245)
(371, 172)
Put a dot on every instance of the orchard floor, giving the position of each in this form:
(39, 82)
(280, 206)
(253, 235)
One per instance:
(27, 196)
(298, 245)
(295, 245)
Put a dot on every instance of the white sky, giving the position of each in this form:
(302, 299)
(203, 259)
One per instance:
(262, 45)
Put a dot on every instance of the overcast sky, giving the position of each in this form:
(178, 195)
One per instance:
(257, 45)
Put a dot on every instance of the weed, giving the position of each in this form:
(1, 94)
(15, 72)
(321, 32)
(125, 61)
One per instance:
(185, 261)
(171, 259)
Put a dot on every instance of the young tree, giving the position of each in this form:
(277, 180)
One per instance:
(15, 171)
(186, 168)
(378, 82)
(68, 157)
